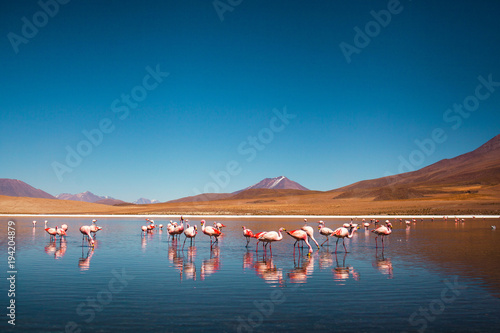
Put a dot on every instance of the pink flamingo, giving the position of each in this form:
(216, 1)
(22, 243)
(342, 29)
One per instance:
(382, 231)
(64, 227)
(85, 230)
(327, 232)
(219, 225)
(343, 233)
(94, 229)
(248, 234)
(299, 235)
(190, 232)
(144, 230)
(52, 232)
(258, 235)
(310, 232)
(270, 237)
(61, 232)
(210, 231)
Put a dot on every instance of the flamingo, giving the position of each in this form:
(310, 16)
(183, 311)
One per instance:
(271, 236)
(327, 232)
(382, 231)
(94, 229)
(179, 229)
(300, 235)
(310, 232)
(210, 231)
(85, 230)
(190, 232)
(248, 234)
(52, 232)
(219, 225)
(64, 227)
(258, 235)
(61, 232)
(343, 233)
(34, 224)
(144, 230)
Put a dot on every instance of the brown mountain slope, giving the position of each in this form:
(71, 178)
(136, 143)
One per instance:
(17, 188)
(480, 167)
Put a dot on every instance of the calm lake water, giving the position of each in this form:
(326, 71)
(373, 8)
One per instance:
(431, 277)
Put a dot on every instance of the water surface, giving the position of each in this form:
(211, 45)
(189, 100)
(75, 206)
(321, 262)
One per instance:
(433, 276)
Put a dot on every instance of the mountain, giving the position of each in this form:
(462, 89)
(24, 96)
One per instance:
(144, 201)
(480, 167)
(277, 183)
(256, 190)
(17, 188)
(85, 196)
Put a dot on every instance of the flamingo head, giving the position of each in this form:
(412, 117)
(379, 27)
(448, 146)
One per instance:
(94, 221)
(243, 227)
(202, 222)
(92, 242)
(389, 225)
(195, 228)
(282, 229)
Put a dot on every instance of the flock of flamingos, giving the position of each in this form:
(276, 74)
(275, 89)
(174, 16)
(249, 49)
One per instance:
(303, 234)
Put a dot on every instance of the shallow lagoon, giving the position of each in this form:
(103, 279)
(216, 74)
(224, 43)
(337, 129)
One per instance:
(433, 277)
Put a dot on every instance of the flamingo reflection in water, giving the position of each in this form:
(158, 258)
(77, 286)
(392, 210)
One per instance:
(303, 268)
(175, 257)
(268, 271)
(84, 261)
(325, 259)
(382, 264)
(343, 272)
(212, 265)
(61, 250)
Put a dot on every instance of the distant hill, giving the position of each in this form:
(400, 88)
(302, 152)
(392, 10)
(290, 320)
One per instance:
(111, 202)
(144, 201)
(257, 190)
(277, 183)
(86, 196)
(17, 188)
(478, 167)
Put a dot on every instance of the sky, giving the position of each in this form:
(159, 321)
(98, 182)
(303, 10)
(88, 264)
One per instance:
(166, 99)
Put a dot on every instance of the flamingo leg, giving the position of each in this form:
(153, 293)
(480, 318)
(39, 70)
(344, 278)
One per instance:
(343, 242)
(336, 244)
(325, 241)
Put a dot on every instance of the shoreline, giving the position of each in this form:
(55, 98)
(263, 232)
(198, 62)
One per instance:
(196, 216)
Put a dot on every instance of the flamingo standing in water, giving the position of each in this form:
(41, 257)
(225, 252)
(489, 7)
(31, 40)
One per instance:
(64, 227)
(85, 230)
(300, 235)
(310, 232)
(34, 224)
(210, 231)
(61, 232)
(343, 233)
(382, 231)
(248, 234)
(52, 232)
(190, 232)
(219, 225)
(144, 230)
(271, 236)
(327, 232)
(258, 235)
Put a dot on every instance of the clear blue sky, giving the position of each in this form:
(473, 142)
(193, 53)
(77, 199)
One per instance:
(353, 120)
